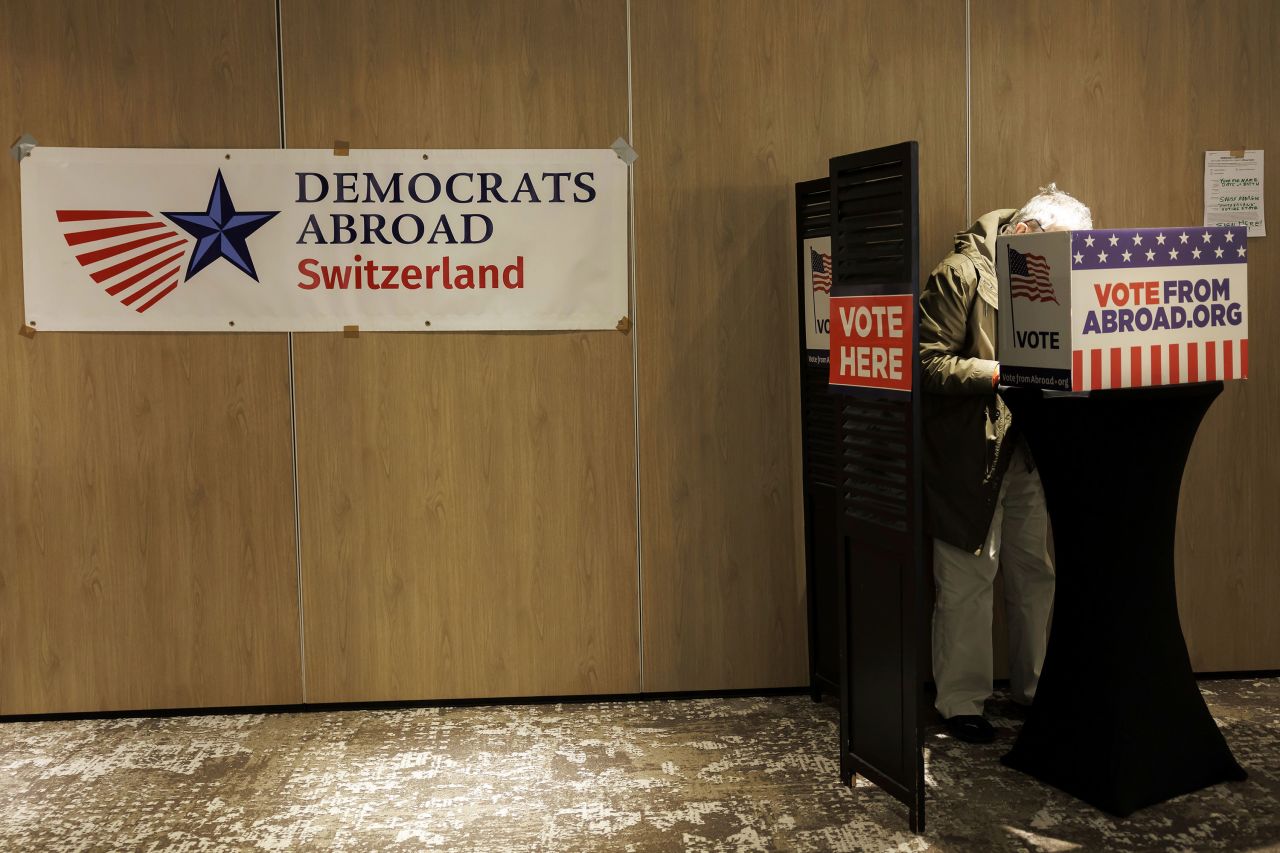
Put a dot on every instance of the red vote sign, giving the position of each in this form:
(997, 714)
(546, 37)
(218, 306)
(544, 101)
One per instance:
(871, 341)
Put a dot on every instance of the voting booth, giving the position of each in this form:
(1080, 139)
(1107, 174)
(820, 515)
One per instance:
(1114, 344)
(1123, 308)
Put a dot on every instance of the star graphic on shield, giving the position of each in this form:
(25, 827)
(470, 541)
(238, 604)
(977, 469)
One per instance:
(221, 231)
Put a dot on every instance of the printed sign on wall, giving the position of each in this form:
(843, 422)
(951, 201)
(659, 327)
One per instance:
(817, 308)
(1233, 190)
(306, 240)
(871, 341)
(1122, 308)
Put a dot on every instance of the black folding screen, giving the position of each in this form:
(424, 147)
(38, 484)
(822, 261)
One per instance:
(819, 438)
(875, 240)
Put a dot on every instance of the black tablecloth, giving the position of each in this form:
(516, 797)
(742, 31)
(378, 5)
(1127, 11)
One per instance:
(1118, 718)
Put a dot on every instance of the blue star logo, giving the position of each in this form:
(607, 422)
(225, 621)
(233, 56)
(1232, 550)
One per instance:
(221, 231)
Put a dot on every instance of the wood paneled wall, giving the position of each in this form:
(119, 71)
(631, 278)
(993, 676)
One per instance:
(1118, 101)
(733, 105)
(147, 553)
(467, 500)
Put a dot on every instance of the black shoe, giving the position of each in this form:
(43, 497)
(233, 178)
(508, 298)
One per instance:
(971, 728)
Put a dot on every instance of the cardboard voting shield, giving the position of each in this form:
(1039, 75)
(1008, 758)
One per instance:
(1123, 308)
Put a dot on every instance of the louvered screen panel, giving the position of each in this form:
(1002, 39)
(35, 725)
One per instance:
(821, 428)
(818, 405)
(875, 247)
(819, 420)
(874, 486)
(813, 208)
(873, 235)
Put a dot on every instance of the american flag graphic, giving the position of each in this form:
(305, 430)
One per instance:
(1029, 277)
(821, 265)
(135, 255)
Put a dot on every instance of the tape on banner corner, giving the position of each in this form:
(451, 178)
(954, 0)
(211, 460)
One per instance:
(351, 331)
(22, 147)
(624, 325)
(27, 331)
(341, 148)
(1237, 152)
(625, 152)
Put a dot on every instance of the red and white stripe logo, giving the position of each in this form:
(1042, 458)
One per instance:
(1159, 364)
(135, 255)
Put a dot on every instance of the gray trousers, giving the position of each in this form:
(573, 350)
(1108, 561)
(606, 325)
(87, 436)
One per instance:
(1017, 541)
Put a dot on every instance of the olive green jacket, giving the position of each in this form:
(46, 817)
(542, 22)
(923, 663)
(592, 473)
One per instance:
(965, 421)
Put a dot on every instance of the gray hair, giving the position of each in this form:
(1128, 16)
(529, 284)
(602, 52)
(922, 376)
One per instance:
(1052, 207)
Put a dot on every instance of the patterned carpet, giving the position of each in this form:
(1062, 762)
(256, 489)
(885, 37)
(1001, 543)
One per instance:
(701, 775)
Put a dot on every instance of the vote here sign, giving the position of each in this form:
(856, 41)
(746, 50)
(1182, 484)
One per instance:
(871, 341)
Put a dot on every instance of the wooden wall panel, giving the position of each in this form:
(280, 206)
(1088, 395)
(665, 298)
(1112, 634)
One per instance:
(1118, 103)
(145, 480)
(468, 509)
(734, 103)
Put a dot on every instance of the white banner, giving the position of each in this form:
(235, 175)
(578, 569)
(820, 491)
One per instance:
(307, 240)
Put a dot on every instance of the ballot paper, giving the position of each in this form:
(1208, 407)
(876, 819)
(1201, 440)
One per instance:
(1233, 190)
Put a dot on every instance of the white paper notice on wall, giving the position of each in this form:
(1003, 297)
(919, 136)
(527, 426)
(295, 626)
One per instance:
(1233, 190)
